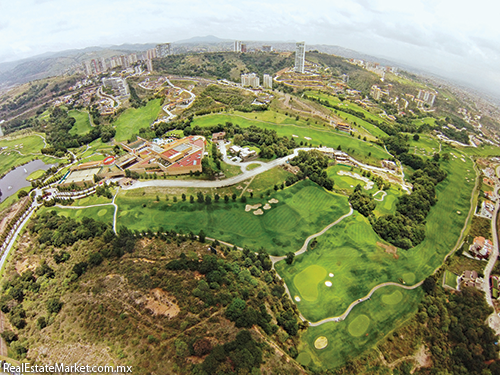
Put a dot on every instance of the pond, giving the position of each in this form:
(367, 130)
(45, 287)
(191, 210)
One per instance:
(16, 179)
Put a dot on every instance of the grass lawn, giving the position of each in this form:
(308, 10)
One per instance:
(364, 151)
(230, 170)
(349, 250)
(36, 174)
(104, 214)
(450, 279)
(133, 119)
(303, 209)
(252, 166)
(82, 124)
(347, 183)
(425, 146)
(367, 324)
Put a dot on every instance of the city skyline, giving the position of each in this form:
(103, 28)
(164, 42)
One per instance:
(448, 38)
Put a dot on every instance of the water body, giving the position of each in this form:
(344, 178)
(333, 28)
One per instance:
(16, 179)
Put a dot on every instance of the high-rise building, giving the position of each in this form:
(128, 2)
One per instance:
(268, 81)
(87, 68)
(163, 50)
(243, 48)
(300, 57)
(103, 65)
(237, 46)
(124, 61)
(149, 65)
(267, 49)
(426, 97)
(132, 58)
(151, 53)
(250, 79)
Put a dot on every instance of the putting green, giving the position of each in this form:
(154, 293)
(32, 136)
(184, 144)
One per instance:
(124, 213)
(304, 358)
(409, 277)
(102, 212)
(307, 282)
(83, 200)
(393, 298)
(359, 325)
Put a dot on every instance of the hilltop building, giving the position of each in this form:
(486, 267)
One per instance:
(376, 92)
(118, 85)
(481, 248)
(268, 81)
(163, 50)
(300, 57)
(250, 79)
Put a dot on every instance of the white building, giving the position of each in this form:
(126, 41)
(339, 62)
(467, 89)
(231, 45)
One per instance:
(237, 46)
(300, 57)
(268, 81)
(250, 79)
(426, 97)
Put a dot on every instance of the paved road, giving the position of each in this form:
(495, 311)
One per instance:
(494, 319)
(221, 183)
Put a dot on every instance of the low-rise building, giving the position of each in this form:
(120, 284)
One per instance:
(481, 248)
(342, 126)
(487, 209)
(244, 153)
(218, 136)
(339, 156)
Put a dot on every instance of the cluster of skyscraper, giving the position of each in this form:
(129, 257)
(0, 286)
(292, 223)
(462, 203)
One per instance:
(98, 66)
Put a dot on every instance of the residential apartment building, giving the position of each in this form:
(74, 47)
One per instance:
(268, 81)
(426, 96)
(237, 46)
(250, 79)
(300, 57)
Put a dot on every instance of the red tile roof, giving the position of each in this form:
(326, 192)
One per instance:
(193, 159)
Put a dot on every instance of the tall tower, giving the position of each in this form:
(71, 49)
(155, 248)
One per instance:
(163, 50)
(237, 46)
(300, 57)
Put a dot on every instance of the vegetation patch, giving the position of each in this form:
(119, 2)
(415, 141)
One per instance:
(360, 325)
(308, 280)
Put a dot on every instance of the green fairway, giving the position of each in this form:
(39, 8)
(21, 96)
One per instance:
(346, 182)
(134, 119)
(21, 150)
(425, 146)
(364, 151)
(82, 124)
(36, 174)
(350, 251)
(104, 214)
(307, 282)
(367, 324)
(303, 209)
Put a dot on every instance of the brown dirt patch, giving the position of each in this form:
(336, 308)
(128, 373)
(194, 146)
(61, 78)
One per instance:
(160, 303)
(422, 358)
(9, 213)
(144, 260)
(26, 264)
(390, 249)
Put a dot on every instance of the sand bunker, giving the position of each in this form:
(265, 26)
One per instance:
(297, 298)
(295, 136)
(321, 342)
(250, 208)
(258, 212)
(331, 274)
(267, 206)
(307, 138)
(328, 283)
(273, 201)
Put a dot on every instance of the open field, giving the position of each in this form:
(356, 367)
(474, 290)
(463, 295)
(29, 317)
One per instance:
(303, 209)
(360, 123)
(362, 330)
(82, 124)
(450, 279)
(364, 151)
(352, 251)
(134, 119)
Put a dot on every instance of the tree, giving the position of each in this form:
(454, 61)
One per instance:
(208, 199)
(22, 194)
(233, 197)
(226, 198)
(183, 197)
(54, 305)
(191, 199)
(201, 236)
(416, 137)
(290, 257)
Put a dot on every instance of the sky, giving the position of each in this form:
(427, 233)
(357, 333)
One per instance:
(455, 38)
